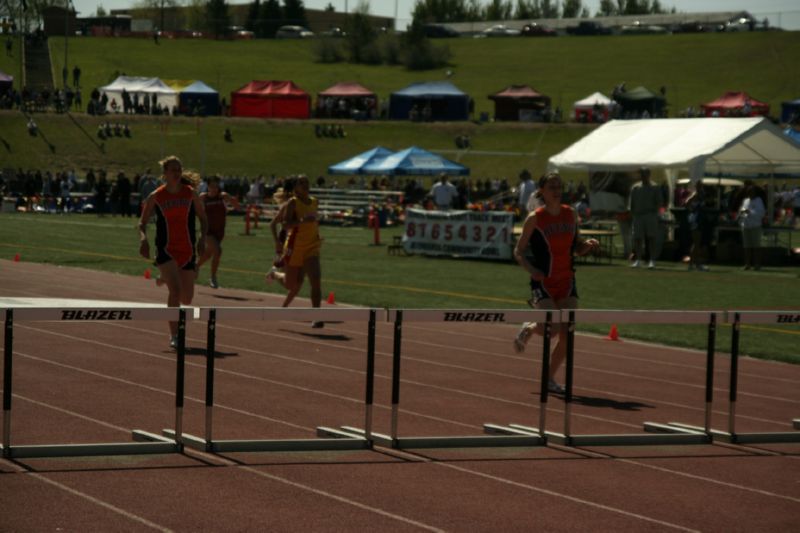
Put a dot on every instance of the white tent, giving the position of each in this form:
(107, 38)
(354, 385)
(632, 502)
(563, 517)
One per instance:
(165, 95)
(742, 146)
(588, 106)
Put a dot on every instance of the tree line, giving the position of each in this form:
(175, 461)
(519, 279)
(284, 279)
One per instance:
(428, 11)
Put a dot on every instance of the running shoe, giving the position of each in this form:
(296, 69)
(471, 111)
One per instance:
(522, 336)
(159, 282)
(213, 283)
(270, 277)
(318, 324)
(554, 387)
(635, 264)
(173, 341)
(651, 265)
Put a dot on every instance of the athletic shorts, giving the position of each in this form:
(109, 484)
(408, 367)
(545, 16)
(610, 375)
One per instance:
(555, 290)
(190, 264)
(301, 253)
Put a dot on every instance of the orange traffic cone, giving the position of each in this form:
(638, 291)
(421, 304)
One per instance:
(16, 258)
(147, 273)
(331, 298)
(613, 334)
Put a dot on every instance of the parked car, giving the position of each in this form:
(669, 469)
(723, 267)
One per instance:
(691, 27)
(293, 32)
(439, 30)
(637, 28)
(238, 32)
(499, 30)
(336, 31)
(588, 27)
(537, 30)
(740, 24)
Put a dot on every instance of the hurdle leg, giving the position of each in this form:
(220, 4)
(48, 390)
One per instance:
(8, 344)
(548, 324)
(569, 371)
(179, 378)
(210, 356)
(398, 332)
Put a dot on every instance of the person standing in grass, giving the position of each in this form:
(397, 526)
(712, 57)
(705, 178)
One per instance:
(545, 250)
(751, 219)
(176, 205)
(644, 203)
(215, 201)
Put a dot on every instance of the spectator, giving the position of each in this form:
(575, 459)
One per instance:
(527, 188)
(100, 195)
(751, 217)
(124, 194)
(443, 193)
(699, 228)
(76, 76)
(644, 204)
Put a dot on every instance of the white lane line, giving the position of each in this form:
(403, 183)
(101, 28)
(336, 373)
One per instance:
(101, 503)
(566, 497)
(342, 499)
(709, 480)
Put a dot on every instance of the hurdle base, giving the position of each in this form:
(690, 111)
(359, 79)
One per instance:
(796, 423)
(665, 435)
(517, 438)
(147, 444)
(273, 445)
(746, 438)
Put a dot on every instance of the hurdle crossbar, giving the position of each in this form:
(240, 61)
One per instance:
(496, 435)
(144, 442)
(328, 438)
(656, 434)
(736, 319)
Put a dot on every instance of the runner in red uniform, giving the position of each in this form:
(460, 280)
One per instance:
(175, 205)
(216, 203)
(551, 233)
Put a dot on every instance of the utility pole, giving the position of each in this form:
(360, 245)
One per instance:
(65, 71)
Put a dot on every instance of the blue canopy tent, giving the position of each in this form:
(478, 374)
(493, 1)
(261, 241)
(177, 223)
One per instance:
(792, 134)
(195, 97)
(790, 110)
(355, 165)
(415, 162)
(443, 99)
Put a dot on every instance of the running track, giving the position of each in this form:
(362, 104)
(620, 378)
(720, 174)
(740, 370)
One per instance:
(97, 381)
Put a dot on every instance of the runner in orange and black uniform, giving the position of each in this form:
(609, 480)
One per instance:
(551, 232)
(175, 205)
(216, 204)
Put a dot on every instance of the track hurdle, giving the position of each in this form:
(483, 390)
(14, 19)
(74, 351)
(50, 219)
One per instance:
(498, 435)
(736, 319)
(659, 434)
(146, 443)
(329, 438)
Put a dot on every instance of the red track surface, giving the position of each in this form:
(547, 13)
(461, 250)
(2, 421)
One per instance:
(95, 382)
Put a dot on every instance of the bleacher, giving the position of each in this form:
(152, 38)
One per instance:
(346, 207)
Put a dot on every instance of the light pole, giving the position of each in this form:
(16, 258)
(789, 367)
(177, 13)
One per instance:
(65, 70)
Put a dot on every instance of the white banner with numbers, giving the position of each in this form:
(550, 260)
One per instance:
(459, 233)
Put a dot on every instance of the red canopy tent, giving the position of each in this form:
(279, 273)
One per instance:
(271, 99)
(342, 99)
(737, 104)
(519, 102)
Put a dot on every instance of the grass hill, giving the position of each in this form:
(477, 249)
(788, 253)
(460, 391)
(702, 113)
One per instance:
(692, 68)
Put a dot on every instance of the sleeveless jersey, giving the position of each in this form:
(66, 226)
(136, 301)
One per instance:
(174, 225)
(307, 232)
(216, 211)
(553, 242)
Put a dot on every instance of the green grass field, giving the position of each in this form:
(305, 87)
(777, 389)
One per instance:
(363, 274)
(693, 68)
